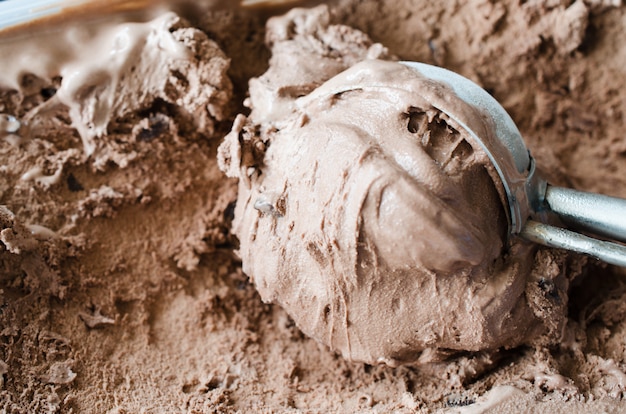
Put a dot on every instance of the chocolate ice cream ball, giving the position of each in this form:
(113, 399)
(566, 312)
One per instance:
(378, 224)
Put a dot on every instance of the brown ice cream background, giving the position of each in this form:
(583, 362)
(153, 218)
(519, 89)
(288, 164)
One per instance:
(201, 339)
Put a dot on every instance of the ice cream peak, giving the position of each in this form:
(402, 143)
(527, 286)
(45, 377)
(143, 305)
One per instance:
(377, 223)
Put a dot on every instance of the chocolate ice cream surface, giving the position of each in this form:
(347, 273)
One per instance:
(368, 215)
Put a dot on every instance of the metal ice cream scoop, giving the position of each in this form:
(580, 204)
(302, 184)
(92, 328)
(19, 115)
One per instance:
(530, 198)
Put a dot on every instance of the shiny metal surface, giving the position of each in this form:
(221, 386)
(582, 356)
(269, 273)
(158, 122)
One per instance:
(17, 12)
(595, 213)
(14, 13)
(551, 236)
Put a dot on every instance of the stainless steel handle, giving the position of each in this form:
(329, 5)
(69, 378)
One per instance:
(594, 213)
(551, 236)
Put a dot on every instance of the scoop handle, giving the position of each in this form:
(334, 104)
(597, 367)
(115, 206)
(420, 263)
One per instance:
(547, 235)
(595, 213)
